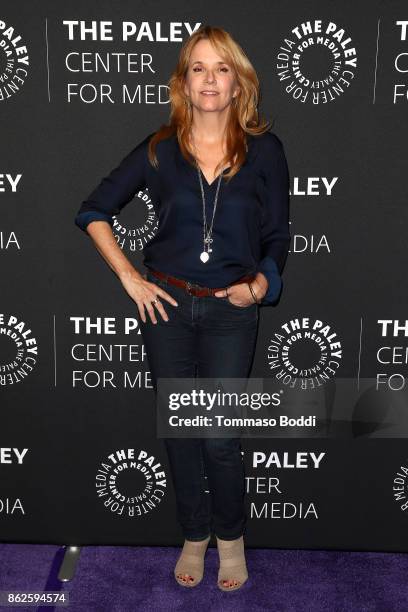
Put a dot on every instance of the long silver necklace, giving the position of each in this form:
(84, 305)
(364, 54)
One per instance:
(207, 231)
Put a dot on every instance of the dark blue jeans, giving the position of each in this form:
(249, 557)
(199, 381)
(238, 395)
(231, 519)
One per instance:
(205, 337)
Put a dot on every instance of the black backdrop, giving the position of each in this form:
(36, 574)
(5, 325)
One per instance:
(345, 144)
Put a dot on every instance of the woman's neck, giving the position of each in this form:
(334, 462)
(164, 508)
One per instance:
(209, 127)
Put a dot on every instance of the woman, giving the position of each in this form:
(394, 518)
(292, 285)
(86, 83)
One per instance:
(220, 181)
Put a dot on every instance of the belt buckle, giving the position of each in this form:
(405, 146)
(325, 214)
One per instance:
(190, 286)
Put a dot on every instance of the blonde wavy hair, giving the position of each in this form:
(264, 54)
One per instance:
(243, 117)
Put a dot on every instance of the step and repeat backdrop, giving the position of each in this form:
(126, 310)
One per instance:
(80, 85)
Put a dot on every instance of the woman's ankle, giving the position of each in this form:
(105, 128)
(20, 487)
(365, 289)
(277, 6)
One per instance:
(228, 538)
(197, 538)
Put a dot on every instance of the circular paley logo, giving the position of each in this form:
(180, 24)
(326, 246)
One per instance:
(316, 62)
(132, 235)
(130, 482)
(304, 352)
(400, 487)
(18, 350)
(14, 61)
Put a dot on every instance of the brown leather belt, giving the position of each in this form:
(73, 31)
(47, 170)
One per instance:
(193, 288)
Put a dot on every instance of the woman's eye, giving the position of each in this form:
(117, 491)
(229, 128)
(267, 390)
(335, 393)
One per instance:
(197, 68)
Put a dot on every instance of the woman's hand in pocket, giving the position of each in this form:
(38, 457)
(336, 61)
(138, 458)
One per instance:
(143, 293)
(240, 294)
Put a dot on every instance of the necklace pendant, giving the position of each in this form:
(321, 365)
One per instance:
(204, 256)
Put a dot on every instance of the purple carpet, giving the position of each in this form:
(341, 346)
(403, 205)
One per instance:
(124, 579)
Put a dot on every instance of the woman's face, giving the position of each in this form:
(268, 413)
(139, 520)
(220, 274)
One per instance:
(207, 72)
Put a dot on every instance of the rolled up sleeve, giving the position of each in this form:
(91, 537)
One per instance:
(275, 233)
(116, 189)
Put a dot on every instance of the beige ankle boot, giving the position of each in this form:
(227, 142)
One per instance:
(190, 565)
(232, 564)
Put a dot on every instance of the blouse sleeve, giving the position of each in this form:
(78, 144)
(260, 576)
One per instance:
(116, 189)
(275, 234)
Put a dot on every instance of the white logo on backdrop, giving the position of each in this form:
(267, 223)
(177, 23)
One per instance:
(11, 506)
(14, 61)
(19, 350)
(135, 238)
(130, 482)
(304, 353)
(400, 488)
(127, 360)
(12, 455)
(269, 496)
(317, 62)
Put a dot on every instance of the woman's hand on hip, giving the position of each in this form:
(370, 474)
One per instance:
(143, 293)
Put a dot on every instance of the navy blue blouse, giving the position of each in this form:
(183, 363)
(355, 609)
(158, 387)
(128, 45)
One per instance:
(251, 223)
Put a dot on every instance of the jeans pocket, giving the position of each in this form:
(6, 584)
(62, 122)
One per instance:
(226, 299)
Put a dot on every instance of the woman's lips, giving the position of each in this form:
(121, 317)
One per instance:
(209, 93)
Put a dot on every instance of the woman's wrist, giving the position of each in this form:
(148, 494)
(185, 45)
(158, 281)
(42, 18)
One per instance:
(254, 297)
(259, 286)
(130, 273)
